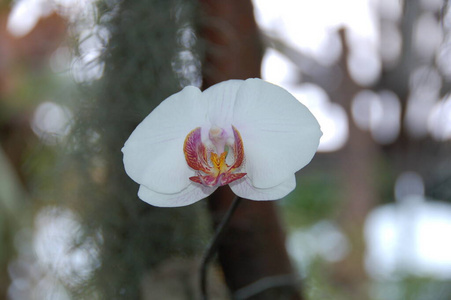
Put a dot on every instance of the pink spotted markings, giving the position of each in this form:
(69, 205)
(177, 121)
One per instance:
(210, 165)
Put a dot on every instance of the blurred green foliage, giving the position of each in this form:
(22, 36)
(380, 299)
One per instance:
(314, 198)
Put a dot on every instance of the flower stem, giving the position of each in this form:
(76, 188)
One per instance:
(211, 249)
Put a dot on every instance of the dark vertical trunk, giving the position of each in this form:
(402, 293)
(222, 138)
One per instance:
(253, 248)
(357, 161)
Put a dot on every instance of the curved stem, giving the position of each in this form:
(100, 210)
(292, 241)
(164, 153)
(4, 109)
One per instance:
(211, 249)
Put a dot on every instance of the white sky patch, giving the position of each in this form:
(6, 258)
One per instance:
(443, 59)
(433, 5)
(379, 113)
(311, 25)
(362, 108)
(427, 35)
(87, 66)
(425, 85)
(49, 288)
(390, 44)
(52, 257)
(364, 64)
(410, 237)
(51, 122)
(82, 15)
(56, 232)
(25, 14)
(324, 240)
(278, 69)
(389, 9)
(439, 122)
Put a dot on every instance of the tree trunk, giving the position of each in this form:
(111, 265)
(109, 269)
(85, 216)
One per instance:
(252, 250)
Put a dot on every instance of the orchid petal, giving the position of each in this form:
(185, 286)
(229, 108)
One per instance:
(153, 154)
(280, 134)
(244, 188)
(221, 99)
(191, 194)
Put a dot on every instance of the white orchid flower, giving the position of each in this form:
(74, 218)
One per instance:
(251, 135)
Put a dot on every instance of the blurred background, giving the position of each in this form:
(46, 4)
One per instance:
(370, 217)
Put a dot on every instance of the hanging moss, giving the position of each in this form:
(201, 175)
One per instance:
(139, 58)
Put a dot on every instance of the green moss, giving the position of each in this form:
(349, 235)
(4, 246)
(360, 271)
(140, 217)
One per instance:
(138, 75)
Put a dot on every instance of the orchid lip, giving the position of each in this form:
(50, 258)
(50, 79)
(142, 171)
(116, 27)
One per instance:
(210, 162)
